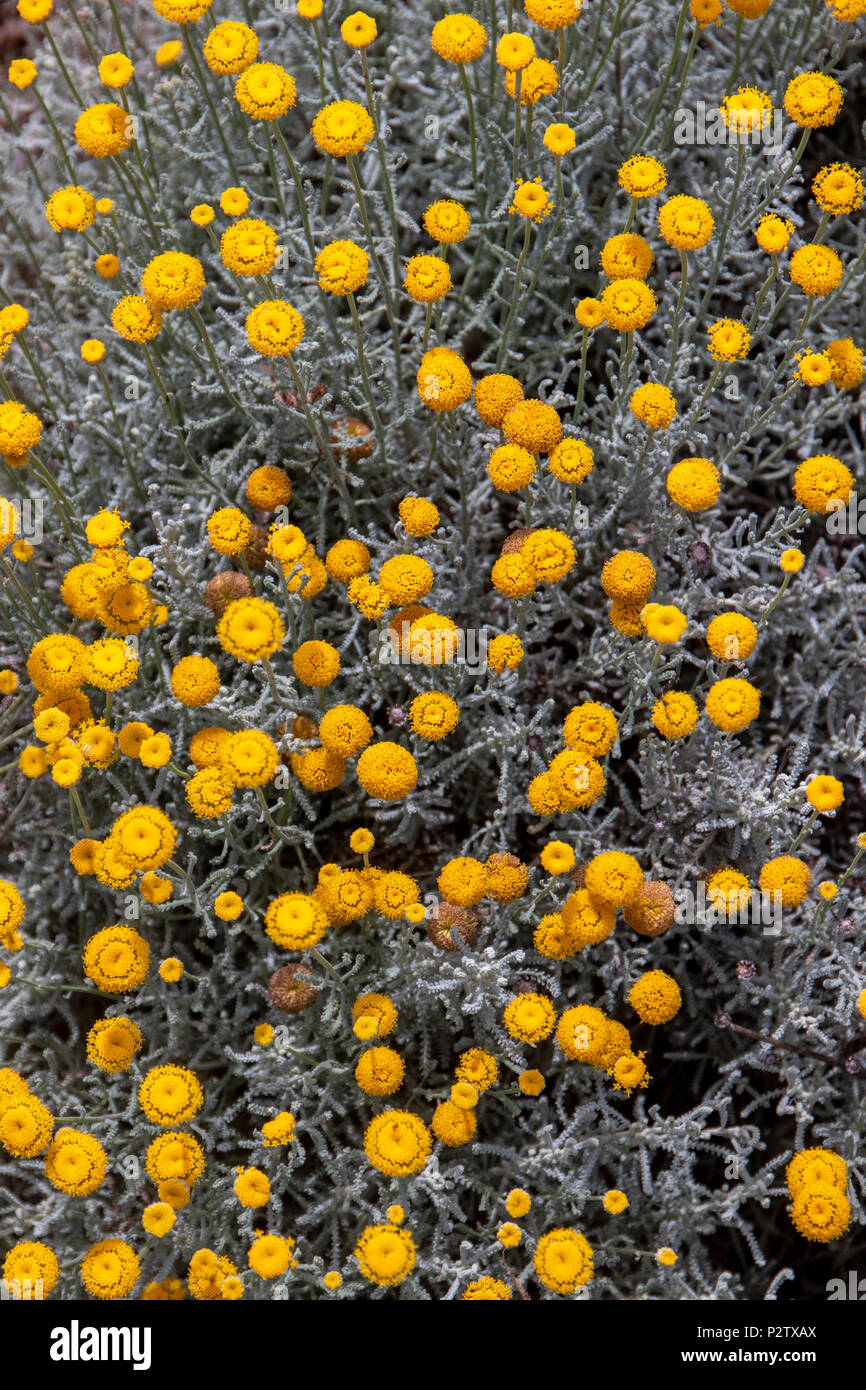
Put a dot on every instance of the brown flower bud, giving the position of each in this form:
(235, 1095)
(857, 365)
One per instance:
(256, 553)
(515, 541)
(441, 921)
(352, 438)
(224, 588)
(578, 875)
(652, 911)
(291, 989)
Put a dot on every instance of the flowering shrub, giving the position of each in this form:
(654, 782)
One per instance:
(431, 654)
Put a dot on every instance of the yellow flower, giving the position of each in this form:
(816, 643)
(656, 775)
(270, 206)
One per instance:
(397, 1143)
(791, 561)
(380, 1071)
(663, 622)
(642, 176)
(825, 793)
(477, 1067)
(515, 52)
(443, 380)
(171, 969)
(838, 188)
(250, 758)
(509, 1235)
(846, 363)
(265, 91)
(788, 877)
(251, 629)
(20, 431)
(821, 1212)
(464, 1095)
(816, 269)
(693, 484)
(116, 959)
(230, 47)
(529, 1017)
(133, 318)
(559, 139)
(685, 222)
(822, 483)
(167, 53)
(626, 256)
(747, 111)
(269, 1256)
(22, 73)
(343, 128)
(110, 1269)
(589, 313)
(813, 100)
(252, 1187)
(295, 921)
(452, 1125)
(729, 340)
(358, 30)
(92, 350)
(614, 878)
(655, 997)
(531, 200)
(563, 1260)
(654, 405)
(732, 704)
(732, 637)
(176, 1157)
(813, 368)
(195, 681)
(773, 233)
(627, 304)
(104, 129)
(446, 221)
(173, 280)
(553, 14)
(433, 715)
(170, 1095)
(181, 11)
(728, 890)
(115, 70)
(666, 1256)
(385, 1254)
(342, 267)
(249, 247)
(274, 328)
(458, 38)
(615, 1201)
(486, 1290)
(71, 208)
(158, 1218)
(427, 279)
(538, 79)
(33, 1267)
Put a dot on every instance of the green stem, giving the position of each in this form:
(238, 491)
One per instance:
(675, 329)
(503, 345)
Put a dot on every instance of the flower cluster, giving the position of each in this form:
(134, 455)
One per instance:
(430, 652)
